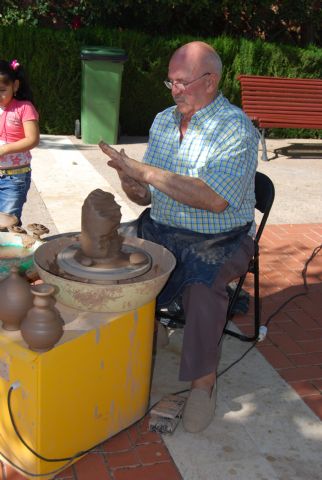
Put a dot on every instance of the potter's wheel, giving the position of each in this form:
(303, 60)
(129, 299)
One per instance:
(94, 296)
(69, 261)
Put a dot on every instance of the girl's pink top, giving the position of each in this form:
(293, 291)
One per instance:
(11, 130)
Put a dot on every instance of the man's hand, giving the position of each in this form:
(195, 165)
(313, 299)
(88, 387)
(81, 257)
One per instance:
(137, 191)
(117, 158)
(132, 187)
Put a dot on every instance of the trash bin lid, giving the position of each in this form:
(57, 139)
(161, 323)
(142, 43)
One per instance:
(111, 54)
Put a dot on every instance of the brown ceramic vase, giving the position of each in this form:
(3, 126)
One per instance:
(42, 327)
(15, 300)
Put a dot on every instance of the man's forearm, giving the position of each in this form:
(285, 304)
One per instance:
(184, 189)
(187, 190)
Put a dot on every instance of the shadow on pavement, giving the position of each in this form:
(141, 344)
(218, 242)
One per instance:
(300, 150)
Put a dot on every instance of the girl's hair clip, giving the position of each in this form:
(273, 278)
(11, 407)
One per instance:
(14, 64)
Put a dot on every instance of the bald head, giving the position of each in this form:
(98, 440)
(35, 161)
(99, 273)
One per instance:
(194, 74)
(200, 56)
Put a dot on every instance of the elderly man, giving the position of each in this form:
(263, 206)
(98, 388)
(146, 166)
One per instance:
(198, 174)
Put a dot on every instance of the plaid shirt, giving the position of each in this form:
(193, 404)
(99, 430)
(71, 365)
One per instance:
(220, 147)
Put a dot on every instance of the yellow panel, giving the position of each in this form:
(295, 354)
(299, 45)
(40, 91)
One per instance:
(93, 384)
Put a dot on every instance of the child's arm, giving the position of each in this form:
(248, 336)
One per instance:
(30, 141)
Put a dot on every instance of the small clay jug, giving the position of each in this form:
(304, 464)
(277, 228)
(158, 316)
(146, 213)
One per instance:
(42, 327)
(15, 299)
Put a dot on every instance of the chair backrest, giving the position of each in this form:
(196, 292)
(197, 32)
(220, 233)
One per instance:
(265, 194)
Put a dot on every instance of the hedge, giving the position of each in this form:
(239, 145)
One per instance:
(52, 60)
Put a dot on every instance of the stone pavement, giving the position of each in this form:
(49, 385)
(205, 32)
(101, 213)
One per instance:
(268, 417)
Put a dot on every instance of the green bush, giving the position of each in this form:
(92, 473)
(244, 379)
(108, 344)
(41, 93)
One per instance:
(52, 60)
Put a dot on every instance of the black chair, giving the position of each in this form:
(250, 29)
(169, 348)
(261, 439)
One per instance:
(265, 193)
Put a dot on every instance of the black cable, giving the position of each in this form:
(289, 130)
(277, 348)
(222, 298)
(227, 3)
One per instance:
(238, 360)
(306, 288)
(79, 454)
(31, 474)
(64, 459)
(70, 459)
(303, 273)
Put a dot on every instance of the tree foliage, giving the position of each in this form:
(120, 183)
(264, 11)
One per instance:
(295, 22)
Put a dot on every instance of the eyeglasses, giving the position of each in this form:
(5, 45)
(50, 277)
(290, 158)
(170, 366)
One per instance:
(182, 85)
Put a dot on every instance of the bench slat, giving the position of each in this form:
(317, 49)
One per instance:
(255, 79)
(310, 118)
(293, 119)
(268, 83)
(287, 108)
(267, 124)
(290, 93)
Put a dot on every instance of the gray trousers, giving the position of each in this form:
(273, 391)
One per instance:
(205, 312)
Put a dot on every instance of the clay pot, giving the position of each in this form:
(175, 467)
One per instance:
(42, 327)
(15, 299)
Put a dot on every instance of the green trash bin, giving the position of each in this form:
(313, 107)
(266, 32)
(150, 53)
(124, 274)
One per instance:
(102, 69)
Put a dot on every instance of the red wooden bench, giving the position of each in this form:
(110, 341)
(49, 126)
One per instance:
(279, 102)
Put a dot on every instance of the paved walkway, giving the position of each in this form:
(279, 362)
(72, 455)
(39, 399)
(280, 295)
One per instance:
(268, 417)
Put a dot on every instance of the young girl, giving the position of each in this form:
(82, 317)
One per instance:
(19, 133)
